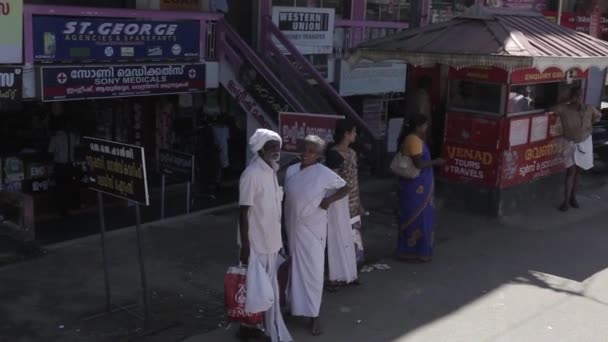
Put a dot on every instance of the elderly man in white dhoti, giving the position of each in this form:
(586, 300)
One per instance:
(260, 198)
(577, 125)
(310, 189)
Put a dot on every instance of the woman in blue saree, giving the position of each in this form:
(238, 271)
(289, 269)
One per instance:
(416, 210)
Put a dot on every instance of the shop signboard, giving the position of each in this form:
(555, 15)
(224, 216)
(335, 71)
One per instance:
(271, 101)
(310, 30)
(116, 169)
(90, 82)
(11, 31)
(524, 5)
(480, 74)
(294, 127)
(11, 80)
(84, 39)
(372, 79)
(175, 164)
(532, 76)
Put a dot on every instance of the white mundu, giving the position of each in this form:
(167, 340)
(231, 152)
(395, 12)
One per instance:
(306, 224)
(260, 191)
(341, 256)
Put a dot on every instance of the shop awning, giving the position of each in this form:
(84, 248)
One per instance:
(490, 37)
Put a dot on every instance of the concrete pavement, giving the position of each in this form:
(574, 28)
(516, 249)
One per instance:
(539, 276)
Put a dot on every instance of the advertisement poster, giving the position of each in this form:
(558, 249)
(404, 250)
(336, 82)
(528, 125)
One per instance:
(294, 127)
(116, 169)
(79, 39)
(11, 31)
(90, 82)
(11, 80)
(526, 163)
(470, 165)
(310, 30)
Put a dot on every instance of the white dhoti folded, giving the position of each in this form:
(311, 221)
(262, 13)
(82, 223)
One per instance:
(341, 256)
(263, 294)
(579, 154)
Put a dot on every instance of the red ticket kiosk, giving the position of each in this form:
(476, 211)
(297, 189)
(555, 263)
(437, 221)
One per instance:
(502, 143)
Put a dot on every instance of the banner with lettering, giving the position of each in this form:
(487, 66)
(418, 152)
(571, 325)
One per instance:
(294, 127)
(82, 39)
(525, 163)
(311, 30)
(11, 80)
(90, 82)
(468, 164)
(116, 169)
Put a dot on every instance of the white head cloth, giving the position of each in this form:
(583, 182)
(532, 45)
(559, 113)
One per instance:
(261, 137)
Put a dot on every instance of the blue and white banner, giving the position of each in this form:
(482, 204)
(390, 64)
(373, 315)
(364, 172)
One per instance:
(82, 39)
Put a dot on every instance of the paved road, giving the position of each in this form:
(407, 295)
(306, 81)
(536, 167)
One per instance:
(537, 277)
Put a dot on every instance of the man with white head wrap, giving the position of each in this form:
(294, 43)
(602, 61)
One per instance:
(260, 198)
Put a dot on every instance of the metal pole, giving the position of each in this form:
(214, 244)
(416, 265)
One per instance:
(559, 11)
(142, 268)
(188, 198)
(162, 197)
(102, 230)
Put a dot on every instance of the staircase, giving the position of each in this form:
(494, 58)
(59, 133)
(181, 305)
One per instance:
(280, 82)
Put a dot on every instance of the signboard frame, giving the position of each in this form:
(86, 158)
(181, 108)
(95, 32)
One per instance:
(112, 151)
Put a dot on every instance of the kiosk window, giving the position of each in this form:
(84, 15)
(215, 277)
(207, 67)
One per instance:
(537, 97)
(476, 96)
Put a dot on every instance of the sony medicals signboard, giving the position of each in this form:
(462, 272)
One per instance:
(11, 31)
(58, 39)
(311, 30)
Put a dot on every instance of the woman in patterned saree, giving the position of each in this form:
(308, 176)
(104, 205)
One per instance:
(417, 214)
(343, 160)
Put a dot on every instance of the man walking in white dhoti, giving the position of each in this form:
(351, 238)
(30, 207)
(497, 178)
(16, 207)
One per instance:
(307, 188)
(260, 198)
(577, 125)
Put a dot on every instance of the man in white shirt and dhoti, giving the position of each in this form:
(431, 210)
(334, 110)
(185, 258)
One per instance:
(260, 199)
(577, 125)
(310, 189)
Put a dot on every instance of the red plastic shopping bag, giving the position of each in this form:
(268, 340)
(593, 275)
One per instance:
(235, 294)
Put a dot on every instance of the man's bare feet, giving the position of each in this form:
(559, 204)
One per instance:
(315, 327)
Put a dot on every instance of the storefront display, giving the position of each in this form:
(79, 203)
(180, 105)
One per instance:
(500, 130)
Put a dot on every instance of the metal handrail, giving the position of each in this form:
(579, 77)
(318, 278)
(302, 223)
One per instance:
(339, 102)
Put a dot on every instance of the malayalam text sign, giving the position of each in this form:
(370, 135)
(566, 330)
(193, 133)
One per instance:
(89, 82)
(60, 39)
(116, 169)
(11, 81)
(11, 31)
(294, 127)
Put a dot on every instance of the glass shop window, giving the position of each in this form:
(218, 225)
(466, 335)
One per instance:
(479, 97)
